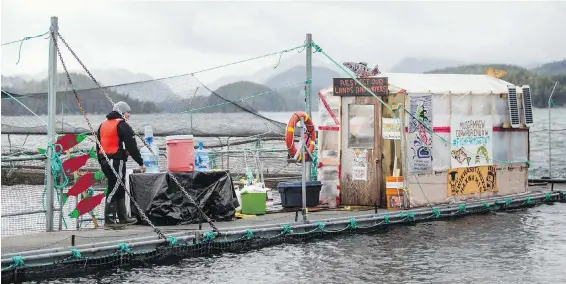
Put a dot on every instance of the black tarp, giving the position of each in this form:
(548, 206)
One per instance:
(160, 198)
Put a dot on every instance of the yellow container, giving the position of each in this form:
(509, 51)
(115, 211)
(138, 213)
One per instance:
(394, 193)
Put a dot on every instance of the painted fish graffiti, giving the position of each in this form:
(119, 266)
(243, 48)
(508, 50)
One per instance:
(66, 142)
(83, 184)
(86, 205)
(461, 156)
(72, 165)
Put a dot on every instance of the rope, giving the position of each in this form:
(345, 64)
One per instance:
(56, 174)
(245, 98)
(26, 107)
(21, 41)
(18, 261)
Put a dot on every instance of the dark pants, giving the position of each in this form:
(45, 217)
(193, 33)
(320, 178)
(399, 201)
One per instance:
(115, 189)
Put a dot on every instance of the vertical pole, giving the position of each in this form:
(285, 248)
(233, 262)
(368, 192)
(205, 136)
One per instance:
(308, 90)
(403, 142)
(304, 180)
(51, 97)
(549, 132)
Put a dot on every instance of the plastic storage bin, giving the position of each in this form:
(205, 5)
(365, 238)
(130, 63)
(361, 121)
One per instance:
(180, 153)
(253, 203)
(292, 196)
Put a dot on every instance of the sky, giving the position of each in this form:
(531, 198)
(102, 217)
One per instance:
(166, 38)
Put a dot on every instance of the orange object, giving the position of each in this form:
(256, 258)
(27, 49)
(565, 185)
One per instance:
(310, 138)
(394, 193)
(109, 136)
(180, 153)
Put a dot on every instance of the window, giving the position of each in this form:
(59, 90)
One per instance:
(361, 126)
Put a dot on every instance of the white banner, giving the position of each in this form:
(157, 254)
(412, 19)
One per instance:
(471, 137)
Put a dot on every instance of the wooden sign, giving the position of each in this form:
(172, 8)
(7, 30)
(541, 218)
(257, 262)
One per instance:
(349, 87)
(470, 180)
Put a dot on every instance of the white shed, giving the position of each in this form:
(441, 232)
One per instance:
(466, 136)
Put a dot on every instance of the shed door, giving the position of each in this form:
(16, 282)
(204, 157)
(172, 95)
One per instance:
(361, 157)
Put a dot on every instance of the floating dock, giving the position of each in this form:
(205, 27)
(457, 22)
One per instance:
(44, 256)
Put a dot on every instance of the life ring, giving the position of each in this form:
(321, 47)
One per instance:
(290, 135)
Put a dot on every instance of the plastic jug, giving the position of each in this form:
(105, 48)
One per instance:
(150, 160)
(201, 158)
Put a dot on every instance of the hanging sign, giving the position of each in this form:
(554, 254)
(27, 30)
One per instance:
(471, 138)
(391, 128)
(349, 87)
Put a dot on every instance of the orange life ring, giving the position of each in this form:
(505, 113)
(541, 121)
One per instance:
(290, 134)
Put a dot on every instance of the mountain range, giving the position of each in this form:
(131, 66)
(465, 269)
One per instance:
(261, 91)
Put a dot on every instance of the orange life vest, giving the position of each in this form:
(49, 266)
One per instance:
(109, 138)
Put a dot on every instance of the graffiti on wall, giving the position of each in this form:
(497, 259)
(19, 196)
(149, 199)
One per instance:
(471, 139)
(419, 138)
(470, 180)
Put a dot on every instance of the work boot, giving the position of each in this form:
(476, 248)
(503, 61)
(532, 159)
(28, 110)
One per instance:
(109, 214)
(122, 215)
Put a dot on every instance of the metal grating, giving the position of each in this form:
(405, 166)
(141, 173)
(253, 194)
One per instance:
(527, 106)
(513, 107)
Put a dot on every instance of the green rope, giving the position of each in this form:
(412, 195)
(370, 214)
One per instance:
(208, 236)
(172, 240)
(21, 41)
(76, 253)
(528, 200)
(507, 201)
(547, 197)
(486, 205)
(436, 212)
(353, 223)
(18, 261)
(320, 226)
(386, 219)
(462, 208)
(56, 173)
(124, 248)
(248, 234)
(286, 229)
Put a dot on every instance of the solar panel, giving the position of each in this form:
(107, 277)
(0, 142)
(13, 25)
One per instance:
(513, 107)
(527, 106)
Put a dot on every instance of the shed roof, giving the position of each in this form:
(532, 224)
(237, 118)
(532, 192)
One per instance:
(445, 83)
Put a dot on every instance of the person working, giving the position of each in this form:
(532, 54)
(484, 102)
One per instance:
(117, 139)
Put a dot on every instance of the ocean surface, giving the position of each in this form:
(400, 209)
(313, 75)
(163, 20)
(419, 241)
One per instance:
(522, 247)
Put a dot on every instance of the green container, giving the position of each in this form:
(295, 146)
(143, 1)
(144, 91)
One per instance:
(253, 203)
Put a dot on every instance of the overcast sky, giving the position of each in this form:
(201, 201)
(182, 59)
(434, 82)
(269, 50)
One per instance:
(167, 38)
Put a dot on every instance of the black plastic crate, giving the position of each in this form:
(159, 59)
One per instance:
(292, 196)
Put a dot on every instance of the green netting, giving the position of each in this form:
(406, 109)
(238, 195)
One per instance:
(209, 244)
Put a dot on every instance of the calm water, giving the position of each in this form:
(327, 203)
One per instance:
(521, 247)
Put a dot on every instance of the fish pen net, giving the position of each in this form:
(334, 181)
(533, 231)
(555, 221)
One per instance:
(240, 119)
